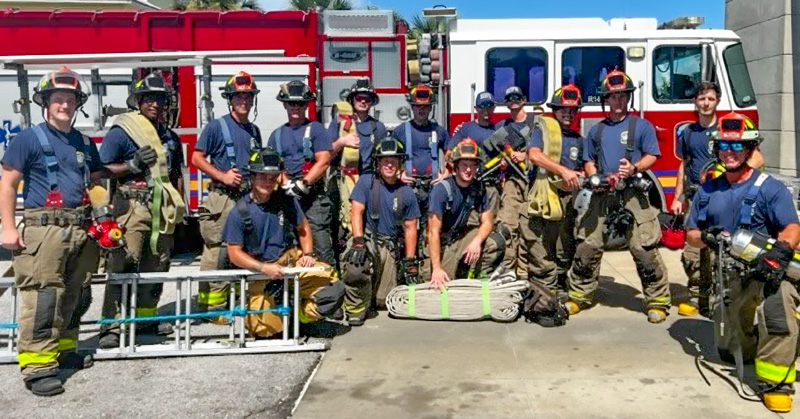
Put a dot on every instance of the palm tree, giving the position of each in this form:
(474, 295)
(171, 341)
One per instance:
(320, 5)
(421, 25)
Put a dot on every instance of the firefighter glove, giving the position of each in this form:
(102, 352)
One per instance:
(358, 252)
(410, 270)
(296, 188)
(772, 264)
(711, 236)
(142, 159)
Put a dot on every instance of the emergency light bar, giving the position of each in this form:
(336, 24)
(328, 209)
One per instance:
(441, 12)
(683, 22)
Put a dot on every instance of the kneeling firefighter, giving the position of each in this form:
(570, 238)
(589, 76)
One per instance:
(755, 303)
(385, 246)
(262, 234)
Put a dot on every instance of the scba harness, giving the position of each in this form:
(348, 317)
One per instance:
(54, 198)
(433, 143)
(745, 210)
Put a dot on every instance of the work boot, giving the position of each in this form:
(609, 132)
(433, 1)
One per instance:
(74, 360)
(155, 328)
(656, 315)
(572, 307)
(109, 340)
(44, 383)
(688, 309)
(778, 402)
(356, 320)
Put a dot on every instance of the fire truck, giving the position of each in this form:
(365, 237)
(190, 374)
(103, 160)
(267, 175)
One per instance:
(198, 50)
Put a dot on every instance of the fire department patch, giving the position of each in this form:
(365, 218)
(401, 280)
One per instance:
(623, 137)
(573, 153)
(80, 157)
(710, 147)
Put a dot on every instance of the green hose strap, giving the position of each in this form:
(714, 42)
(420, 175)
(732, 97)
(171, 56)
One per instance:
(412, 301)
(155, 211)
(445, 301)
(487, 303)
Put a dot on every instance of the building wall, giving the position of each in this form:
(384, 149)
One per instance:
(770, 37)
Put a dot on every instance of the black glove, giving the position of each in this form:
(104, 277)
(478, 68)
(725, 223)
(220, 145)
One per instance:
(358, 252)
(773, 263)
(711, 236)
(410, 270)
(142, 159)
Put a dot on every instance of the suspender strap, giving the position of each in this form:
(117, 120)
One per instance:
(278, 146)
(409, 143)
(49, 157)
(308, 154)
(598, 146)
(746, 210)
(434, 144)
(250, 237)
(87, 143)
(631, 138)
(702, 206)
(468, 202)
(375, 201)
(226, 136)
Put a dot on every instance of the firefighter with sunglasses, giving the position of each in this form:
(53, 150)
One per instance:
(382, 252)
(305, 147)
(52, 254)
(756, 314)
(617, 151)
(146, 158)
(223, 152)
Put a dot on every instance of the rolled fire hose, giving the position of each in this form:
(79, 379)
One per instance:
(463, 299)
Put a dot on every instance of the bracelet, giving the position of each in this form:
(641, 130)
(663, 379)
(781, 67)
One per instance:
(312, 254)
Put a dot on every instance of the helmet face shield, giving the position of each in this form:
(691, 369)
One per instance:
(736, 127)
(421, 95)
(570, 96)
(62, 79)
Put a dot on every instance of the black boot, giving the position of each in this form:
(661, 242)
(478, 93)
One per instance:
(44, 383)
(73, 360)
(109, 340)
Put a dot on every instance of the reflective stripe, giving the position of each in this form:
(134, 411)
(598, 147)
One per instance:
(487, 302)
(28, 358)
(212, 298)
(304, 318)
(444, 299)
(774, 372)
(67, 344)
(354, 309)
(412, 301)
(145, 311)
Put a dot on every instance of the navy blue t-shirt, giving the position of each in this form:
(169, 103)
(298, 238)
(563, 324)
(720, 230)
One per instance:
(397, 202)
(25, 155)
(421, 136)
(571, 148)
(438, 202)
(694, 148)
(367, 143)
(246, 139)
(291, 147)
(118, 147)
(615, 141)
(472, 130)
(773, 209)
(274, 223)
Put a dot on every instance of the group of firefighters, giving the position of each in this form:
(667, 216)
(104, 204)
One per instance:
(529, 196)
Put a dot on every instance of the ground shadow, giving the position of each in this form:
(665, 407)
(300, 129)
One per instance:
(615, 294)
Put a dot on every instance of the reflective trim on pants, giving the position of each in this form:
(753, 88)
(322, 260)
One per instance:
(213, 297)
(67, 344)
(28, 358)
(146, 311)
(775, 373)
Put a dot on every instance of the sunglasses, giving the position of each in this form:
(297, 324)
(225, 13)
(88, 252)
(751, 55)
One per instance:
(296, 103)
(363, 98)
(731, 145)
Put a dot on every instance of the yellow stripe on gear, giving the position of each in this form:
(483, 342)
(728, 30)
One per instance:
(212, 298)
(543, 197)
(67, 344)
(28, 358)
(146, 311)
(775, 373)
(168, 207)
(350, 158)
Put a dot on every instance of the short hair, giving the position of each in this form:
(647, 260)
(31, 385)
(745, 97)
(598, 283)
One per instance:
(707, 85)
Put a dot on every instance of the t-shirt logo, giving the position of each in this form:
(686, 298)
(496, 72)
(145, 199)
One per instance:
(253, 144)
(710, 147)
(623, 137)
(280, 219)
(573, 153)
(395, 204)
(80, 157)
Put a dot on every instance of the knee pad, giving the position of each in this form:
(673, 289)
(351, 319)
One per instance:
(504, 232)
(775, 315)
(587, 259)
(45, 313)
(499, 241)
(330, 298)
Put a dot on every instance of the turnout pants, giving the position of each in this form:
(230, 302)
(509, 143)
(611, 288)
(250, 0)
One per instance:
(697, 265)
(374, 280)
(642, 235)
(550, 245)
(212, 216)
(321, 294)
(319, 210)
(136, 256)
(49, 273)
(765, 326)
(512, 200)
(453, 256)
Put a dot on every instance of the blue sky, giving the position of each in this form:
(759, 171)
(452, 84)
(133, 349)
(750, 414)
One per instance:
(712, 10)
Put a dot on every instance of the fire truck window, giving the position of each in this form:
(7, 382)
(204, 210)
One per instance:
(741, 87)
(676, 73)
(587, 67)
(522, 67)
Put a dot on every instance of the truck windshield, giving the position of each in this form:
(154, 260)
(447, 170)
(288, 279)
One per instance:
(741, 87)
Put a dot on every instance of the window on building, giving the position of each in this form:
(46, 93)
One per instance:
(676, 73)
(741, 87)
(586, 67)
(522, 67)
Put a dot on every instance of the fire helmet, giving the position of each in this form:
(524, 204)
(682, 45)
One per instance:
(295, 91)
(362, 85)
(240, 82)
(62, 79)
(567, 96)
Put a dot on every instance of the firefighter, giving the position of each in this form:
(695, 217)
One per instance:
(305, 148)
(356, 133)
(461, 241)
(548, 227)
(761, 303)
(228, 142)
(695, 150)
(422, 140)
(146, 159)
(271, 232)
(621, 147)
(515, 182)
(52, 255)
(384, 218)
